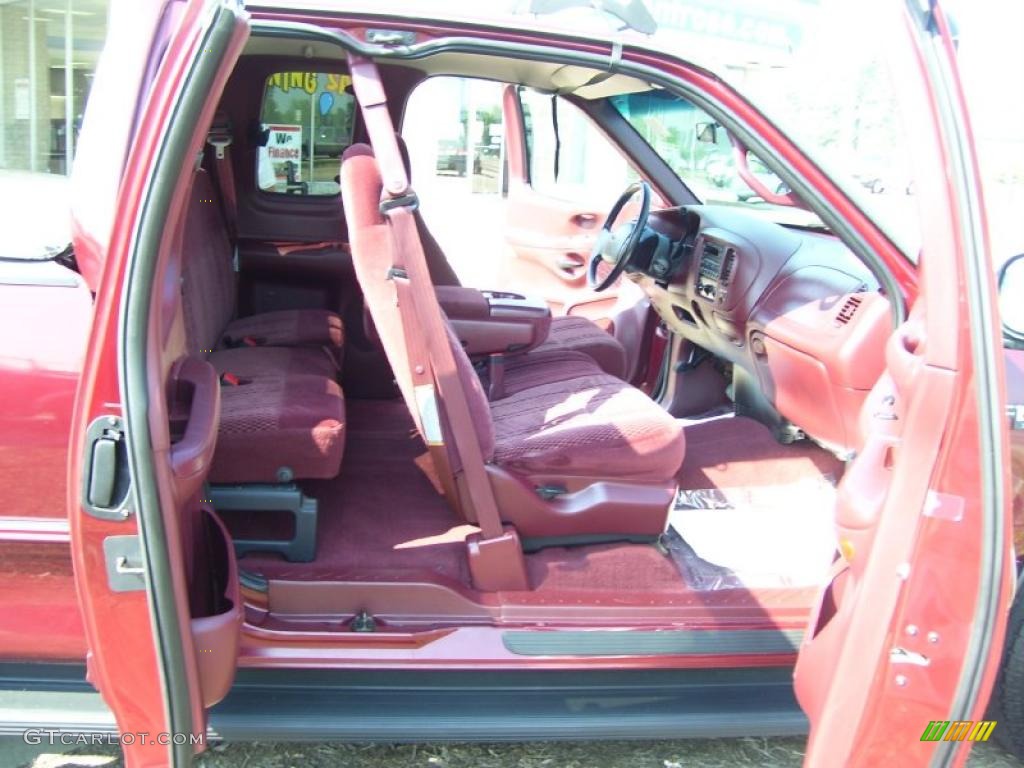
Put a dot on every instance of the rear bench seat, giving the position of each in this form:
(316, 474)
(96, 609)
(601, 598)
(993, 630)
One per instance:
(282, 411)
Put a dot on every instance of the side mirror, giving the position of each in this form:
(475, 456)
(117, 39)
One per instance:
(707, 133)
(1011, 300)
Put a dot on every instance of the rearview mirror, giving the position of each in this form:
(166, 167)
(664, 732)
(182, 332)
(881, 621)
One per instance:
(707, 133)
(1011, 300)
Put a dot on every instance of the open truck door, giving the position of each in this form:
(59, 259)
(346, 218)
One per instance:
(161, 647)
(899, 659)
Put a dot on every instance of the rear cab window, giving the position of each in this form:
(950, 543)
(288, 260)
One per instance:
(307, 120)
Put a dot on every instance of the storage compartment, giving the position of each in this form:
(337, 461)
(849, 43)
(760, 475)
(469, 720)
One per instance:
(489, 323)
(215, 606)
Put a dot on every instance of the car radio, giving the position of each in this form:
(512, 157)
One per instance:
(709, 272)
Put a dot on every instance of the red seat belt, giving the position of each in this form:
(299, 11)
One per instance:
(415, 292)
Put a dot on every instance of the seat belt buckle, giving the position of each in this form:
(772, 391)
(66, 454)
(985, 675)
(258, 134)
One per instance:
(495, 377)
(409, 200)
(230, 379)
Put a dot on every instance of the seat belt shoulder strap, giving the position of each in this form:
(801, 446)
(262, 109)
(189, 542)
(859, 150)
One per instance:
(220, 140)
(416, 288)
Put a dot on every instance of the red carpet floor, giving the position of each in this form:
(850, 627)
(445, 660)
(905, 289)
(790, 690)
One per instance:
(382, 518)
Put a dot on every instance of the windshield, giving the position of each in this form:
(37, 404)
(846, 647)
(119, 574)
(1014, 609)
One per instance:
(701, 154)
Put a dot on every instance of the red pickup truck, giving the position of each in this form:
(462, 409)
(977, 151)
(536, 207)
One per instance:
(274, 467)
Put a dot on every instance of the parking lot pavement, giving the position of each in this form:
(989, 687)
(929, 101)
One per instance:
(695, 753)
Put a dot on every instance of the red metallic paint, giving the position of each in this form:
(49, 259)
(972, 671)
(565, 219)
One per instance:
(38, 378)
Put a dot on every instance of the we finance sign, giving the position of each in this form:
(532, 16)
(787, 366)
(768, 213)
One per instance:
(284, 145)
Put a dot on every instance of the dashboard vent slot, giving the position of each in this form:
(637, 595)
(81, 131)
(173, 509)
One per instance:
(727, 264)
(848, 310)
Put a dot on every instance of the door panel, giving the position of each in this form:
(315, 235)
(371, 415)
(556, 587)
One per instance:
(550, 243)
(551, 225)
(152, 570)
(923, 530)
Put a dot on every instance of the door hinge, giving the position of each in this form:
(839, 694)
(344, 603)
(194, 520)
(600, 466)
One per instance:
(125, 570)
(105, 477)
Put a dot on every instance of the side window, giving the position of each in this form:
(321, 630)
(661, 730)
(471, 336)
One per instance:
(307, 119)
(48, 56)
(454, 130)
(569, 158)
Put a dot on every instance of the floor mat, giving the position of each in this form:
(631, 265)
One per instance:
(755, 537)
(381, 517)
(752, 513)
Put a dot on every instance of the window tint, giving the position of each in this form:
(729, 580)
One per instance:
(307, 118)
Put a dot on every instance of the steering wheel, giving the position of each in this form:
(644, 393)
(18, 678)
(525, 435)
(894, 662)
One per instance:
(617, 247)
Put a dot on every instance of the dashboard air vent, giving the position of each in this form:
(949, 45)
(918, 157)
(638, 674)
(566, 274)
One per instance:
(848, 310)
(727, 265)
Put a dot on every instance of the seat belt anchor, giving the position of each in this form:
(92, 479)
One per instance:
(408, 200)
(219, 144)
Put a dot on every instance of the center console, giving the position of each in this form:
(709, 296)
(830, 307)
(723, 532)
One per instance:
(714, 270)
(493, 322)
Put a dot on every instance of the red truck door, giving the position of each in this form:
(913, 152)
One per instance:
(125, 514)
(899, 661)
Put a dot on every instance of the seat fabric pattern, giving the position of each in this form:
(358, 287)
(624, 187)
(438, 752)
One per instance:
(579, 334)
(260, 362)
(274, 422)
(590, 426)
(539, 368)
(288, 328)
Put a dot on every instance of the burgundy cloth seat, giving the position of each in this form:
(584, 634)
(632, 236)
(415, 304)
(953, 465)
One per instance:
(282, 412)
(589, 425)
(561, 415)
(249, 362)
(578, 334)
(208, 251)
(275, 428)
(567, 332)
(288, 328)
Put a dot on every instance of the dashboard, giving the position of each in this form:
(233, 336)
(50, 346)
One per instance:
(796, 312)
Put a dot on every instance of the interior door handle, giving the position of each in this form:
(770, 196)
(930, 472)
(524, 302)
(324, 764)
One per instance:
(191, 454)
(571, 263)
